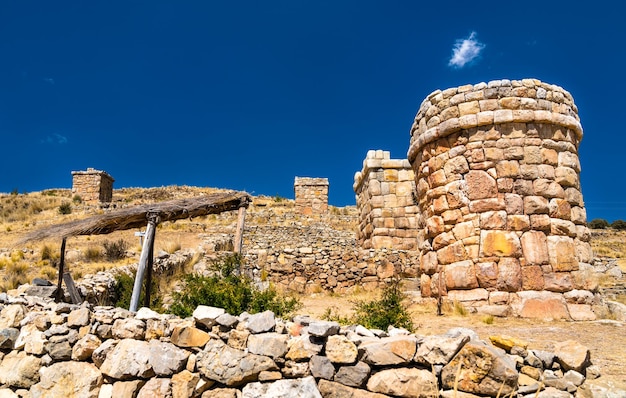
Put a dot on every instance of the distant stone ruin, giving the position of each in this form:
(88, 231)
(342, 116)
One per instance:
(385, 190)
(499, 203)
(93, 186)
(311, 195)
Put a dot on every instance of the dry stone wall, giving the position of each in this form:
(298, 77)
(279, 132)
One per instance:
(385, 191)
(316, 258)
(93, 186)
(50, 349)
(311, 195)
(500, 204)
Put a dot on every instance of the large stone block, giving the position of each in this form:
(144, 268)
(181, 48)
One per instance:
(500, 244)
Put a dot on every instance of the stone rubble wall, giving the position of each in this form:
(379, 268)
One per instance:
(385, 190)
(311, 195)
(500, 204)
(93, 186)
(317, 258)
(50, 349)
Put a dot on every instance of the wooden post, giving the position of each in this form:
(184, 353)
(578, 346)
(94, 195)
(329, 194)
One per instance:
(146, 300)
(71, 288)
(239, 232)
(153, 220)
(59, 293)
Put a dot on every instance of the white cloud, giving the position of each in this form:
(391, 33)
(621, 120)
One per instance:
(465, 51)
(55, 139)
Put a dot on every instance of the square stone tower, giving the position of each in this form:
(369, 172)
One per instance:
(384, 196)
(311, 195)
(93, 186)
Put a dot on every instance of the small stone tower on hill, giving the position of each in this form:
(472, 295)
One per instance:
(497, 177)
(311, 195)
(93, 186)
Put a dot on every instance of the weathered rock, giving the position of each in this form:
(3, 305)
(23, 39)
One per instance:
(481, 369)
(79, 317)
(507, 342)
(229, 366)
(156, 388)
(85, 347)
(206, 315)
(68, 379)
(100, 353)
(31, 339)
(165, 358)
(292, 369)
(184, 383)
(128, 359)
(323, 328)
(404, 382)
(261, 322)
(129, 328)
(8, 338)
(398, 350)
(273, 345)
(189, 336)
(340, 350)
(354, 376)
(321, 367)
(293, 388)
(127, 389)
(222, 393)
(303, 347)
(11, 316)
(18, 369)
(439, 350)
(572, 355)
(330, 389)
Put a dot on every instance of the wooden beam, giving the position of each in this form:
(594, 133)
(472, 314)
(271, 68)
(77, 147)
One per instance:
(239, 232)
(153, 220)
(146, 300)
(59, 293)
(71, 288)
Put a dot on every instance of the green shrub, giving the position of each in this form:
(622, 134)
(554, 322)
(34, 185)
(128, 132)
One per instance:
(389, 310)
(229, 290)
(619, 225)
(92, 253)
(65, 208)
(114, 251)
(77, 199)
(124, 291)
(598, 223)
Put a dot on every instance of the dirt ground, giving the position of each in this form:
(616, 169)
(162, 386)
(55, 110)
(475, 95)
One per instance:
(606, 339)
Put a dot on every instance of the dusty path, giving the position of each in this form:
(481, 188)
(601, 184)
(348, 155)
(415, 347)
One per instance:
(605, 339)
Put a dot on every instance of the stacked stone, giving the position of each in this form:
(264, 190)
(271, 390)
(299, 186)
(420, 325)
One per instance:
(52, 349)
(497, 177)
(311, 195)
(93, 186)
(384, 195)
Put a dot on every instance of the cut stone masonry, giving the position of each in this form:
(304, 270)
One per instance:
(385, 191)
(311, 195)
(93, 186)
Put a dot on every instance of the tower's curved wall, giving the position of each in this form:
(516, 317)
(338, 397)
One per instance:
(497, 178)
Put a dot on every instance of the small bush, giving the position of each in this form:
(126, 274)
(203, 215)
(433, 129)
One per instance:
(488, 319)
(65, 208)
(598, 223)
(619, 225)
(92, 253)
(124, 291)
(389, 310)
(114, 251)
(77, 199)
(46, 252)
(229, 290)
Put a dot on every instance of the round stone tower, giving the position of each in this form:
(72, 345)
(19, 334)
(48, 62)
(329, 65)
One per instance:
(497, 178)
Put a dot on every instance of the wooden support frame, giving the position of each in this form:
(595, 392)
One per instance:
(65, 276)
(146, 253)
(239, 232)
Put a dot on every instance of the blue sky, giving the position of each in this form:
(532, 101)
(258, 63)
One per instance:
(248, 95)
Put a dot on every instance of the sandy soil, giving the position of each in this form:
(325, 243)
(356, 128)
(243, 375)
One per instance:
(606, 339)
